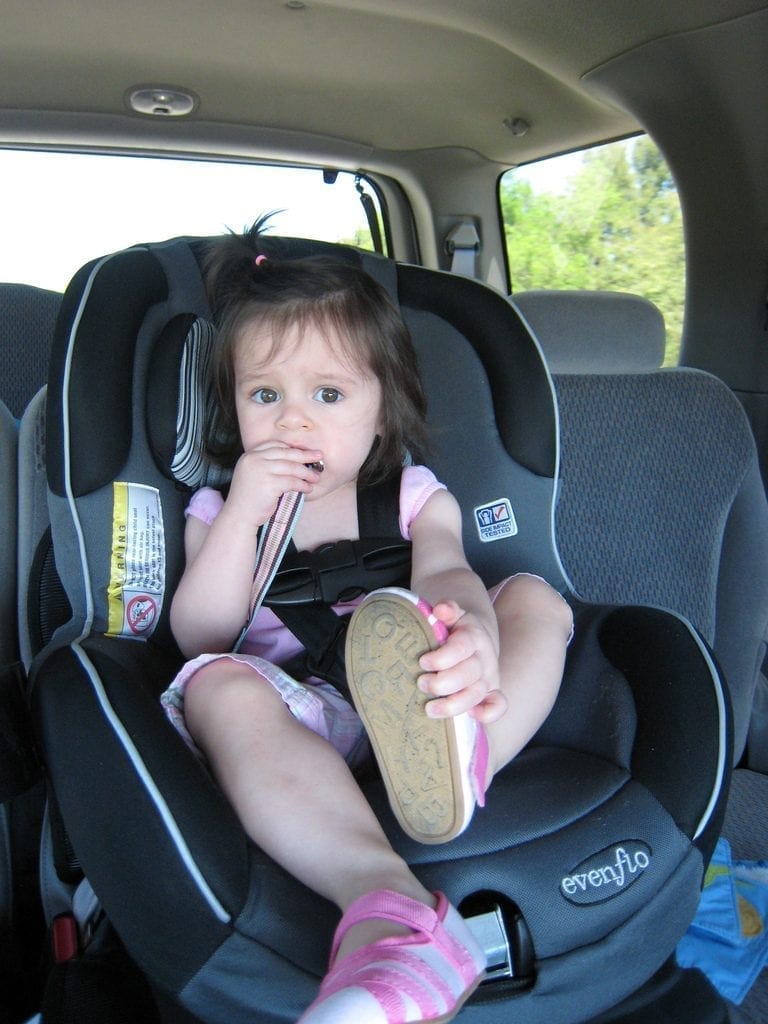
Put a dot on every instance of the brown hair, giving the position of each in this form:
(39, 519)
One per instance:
(339, 298)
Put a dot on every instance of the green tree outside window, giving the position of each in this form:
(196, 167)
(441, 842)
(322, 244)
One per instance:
(613, 223)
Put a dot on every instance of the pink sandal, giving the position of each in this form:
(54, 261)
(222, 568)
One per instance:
(414, 979)
(434, 769)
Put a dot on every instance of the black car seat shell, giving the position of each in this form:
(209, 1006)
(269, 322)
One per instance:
(594, 839)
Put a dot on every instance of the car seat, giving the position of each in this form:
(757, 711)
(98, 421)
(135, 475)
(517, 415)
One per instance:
(585, 868)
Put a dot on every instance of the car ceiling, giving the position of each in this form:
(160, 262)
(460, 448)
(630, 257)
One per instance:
(367, 76)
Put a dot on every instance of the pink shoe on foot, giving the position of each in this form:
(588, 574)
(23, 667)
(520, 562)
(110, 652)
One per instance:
(434, 769)
(423, 978)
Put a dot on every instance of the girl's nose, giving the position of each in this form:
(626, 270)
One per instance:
(294, 416)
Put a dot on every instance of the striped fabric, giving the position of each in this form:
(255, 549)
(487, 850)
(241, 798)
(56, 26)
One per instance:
(195, 407)
(273, 541)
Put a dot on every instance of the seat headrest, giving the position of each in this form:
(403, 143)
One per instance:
(594, 331)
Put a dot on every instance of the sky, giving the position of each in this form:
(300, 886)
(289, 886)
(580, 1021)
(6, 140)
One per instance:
(550, 175)
(60, 210)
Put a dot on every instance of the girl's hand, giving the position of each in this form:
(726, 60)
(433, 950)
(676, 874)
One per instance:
(463, 673)
(264, 473)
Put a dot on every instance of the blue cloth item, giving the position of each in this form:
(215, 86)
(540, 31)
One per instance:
(728, 938)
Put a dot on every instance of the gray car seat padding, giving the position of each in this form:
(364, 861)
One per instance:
(662, 503)
(662, 500)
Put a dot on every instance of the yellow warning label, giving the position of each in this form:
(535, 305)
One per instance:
(137, 567)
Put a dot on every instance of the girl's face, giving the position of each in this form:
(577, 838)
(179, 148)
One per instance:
(307, 394)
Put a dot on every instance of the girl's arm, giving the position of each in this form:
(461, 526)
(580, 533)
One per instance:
(210, 606)
(464, 671)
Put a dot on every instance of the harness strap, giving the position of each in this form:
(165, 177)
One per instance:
(338, 572)
(319, 629)
(322, 633)
(378, 508)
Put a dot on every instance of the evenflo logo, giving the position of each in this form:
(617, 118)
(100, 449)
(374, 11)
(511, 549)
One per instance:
(606, 874)
(496, 520)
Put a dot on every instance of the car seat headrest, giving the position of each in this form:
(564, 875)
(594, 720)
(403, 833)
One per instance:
(180, 401)
(594, 331)
(132, 404)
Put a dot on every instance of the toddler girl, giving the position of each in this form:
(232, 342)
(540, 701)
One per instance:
(320, 396)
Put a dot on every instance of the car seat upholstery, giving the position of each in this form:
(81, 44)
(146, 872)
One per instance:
(662, 501)
(594, 331)
(42, 603)
(688, 425)
(619, 795)
(27, 316)
(8, 681)
(9, 446)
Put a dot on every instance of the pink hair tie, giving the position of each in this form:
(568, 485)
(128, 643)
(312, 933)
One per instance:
(261, 258)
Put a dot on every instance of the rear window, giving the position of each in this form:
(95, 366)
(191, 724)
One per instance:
(605, 218)
(60, 210)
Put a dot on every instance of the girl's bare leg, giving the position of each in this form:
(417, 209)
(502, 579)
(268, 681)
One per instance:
(534, 626)
(294, 793)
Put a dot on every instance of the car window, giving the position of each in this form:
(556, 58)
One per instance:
(607, 218)
(59, 210)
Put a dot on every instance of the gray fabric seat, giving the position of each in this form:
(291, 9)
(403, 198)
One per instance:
(8, 510)
(662, 502)
(661, 499)
(27, 318)
(595, 331)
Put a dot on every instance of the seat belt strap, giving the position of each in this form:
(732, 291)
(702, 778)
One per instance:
(369, 207)
(462, 244)
(273, 541)
(322, 634)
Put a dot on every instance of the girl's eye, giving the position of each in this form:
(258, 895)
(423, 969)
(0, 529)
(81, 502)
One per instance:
(328, 395)
(265, 396)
